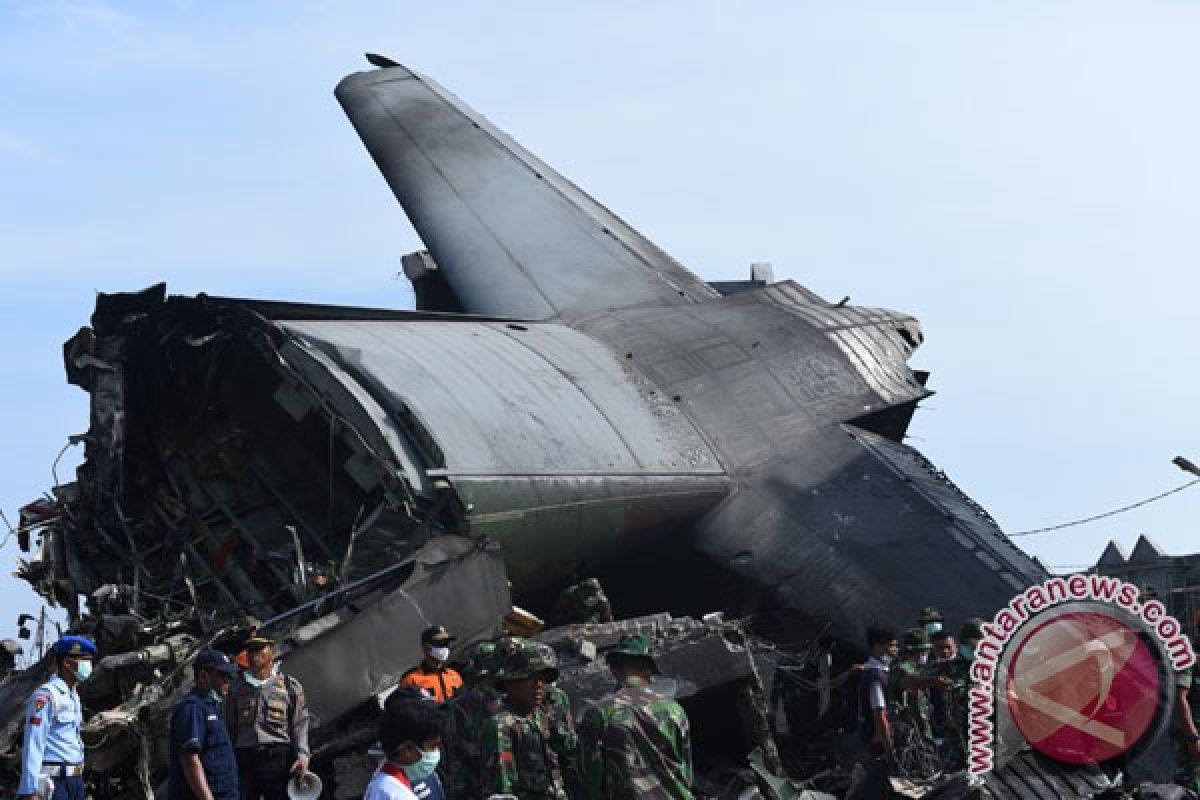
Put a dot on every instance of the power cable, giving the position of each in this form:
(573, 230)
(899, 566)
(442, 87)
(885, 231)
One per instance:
(11, 529)
(1107, 514)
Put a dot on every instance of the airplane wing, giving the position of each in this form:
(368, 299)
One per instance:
(511, 236)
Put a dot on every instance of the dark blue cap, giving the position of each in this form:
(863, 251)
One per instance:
(72, 645)
(214, 660)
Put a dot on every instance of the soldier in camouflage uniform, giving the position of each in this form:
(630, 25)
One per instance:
(466, 713)
(958, 671)
(516, 756)
(584, 602)
(564, 741)
(635, 743)
(909, 681)
(1187, 739)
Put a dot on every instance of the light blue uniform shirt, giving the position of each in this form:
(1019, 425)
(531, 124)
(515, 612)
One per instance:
(53, 718)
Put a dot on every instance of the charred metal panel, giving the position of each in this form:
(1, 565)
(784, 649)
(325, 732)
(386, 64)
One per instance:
(757, 375)
(513, 236)
(849, 530)
(457, 582)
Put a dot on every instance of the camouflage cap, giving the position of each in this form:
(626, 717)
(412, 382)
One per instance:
(528, 658)
(930, 614)
(915, 639)
(633, 645)
(972, 629)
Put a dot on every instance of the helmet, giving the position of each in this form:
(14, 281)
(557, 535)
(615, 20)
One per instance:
(971, 629)
(526, 659)
(915, 639)
(481, 660)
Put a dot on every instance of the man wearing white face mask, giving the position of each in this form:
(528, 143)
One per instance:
(267, 715)
(53, 751)
(439, 681)
(410, 734)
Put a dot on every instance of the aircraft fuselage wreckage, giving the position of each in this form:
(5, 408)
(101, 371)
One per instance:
(564, 388)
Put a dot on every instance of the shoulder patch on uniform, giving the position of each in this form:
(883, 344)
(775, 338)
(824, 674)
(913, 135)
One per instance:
(40, 700)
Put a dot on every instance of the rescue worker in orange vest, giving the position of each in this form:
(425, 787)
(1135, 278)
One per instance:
(432, 675)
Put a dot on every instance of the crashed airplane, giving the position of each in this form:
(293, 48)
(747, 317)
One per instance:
(564, 387)
(564, 390)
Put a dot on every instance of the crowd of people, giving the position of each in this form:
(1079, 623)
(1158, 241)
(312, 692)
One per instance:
(919, 684)
(501, 727)
(506, 729)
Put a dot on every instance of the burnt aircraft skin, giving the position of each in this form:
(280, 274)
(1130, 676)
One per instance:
(250, 455)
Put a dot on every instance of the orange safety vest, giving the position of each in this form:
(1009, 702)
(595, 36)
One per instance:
(441, 684)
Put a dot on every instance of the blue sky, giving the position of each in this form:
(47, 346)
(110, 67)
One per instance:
(1021, 176)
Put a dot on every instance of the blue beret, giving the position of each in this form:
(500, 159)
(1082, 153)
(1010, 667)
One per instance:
(75, 646)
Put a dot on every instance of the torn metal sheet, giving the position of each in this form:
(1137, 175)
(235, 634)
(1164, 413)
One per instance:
(455, 582)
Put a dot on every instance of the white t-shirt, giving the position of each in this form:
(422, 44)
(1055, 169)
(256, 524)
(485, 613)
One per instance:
(385, 787)
(875, 697)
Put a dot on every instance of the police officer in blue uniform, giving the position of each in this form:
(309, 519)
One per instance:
(53, 751)
(203, 766)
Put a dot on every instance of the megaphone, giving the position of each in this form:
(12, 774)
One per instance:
(305, 786)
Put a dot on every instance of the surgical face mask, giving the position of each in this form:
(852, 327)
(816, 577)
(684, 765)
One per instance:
(967, 651)
(214, 695)
(83, 669)
(425, 766)
(440, 654)
(933, 627)
(252, 680)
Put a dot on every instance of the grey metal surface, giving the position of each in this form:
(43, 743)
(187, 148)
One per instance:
(556, 447)
(535, 399)
(834, 521)
(1034, 777)
(512, 235)
(384, 637)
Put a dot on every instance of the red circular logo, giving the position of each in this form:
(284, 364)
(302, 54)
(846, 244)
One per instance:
(1083, 687)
